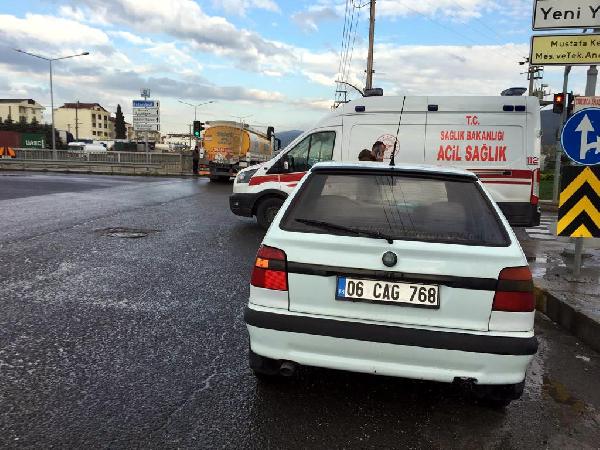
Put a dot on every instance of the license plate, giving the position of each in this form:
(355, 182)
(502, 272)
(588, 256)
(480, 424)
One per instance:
(407, 294)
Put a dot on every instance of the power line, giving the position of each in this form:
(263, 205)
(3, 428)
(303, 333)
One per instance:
(343, 46)
(485, 28)
(353, 26)
(351, 20)
(352, 49)
(452, 30)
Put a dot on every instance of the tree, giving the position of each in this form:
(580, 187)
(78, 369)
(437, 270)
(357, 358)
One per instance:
(120, 129)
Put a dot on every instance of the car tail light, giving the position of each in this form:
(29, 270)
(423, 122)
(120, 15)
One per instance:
(270, 269)
(535, 187)
(514, 292)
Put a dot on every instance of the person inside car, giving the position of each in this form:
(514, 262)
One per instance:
(378, 151)
(366, 155)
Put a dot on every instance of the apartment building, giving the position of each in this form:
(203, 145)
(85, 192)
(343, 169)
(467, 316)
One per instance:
(84, 120)
(21, 110)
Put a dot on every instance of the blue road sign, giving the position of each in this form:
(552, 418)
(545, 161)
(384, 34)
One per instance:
(580, 137)
(145, 104)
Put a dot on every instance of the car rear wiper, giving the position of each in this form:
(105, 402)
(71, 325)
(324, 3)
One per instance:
(357, 231)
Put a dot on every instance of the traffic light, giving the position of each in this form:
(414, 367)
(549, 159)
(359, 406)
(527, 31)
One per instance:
(198, 127)
(570, 103)
(559, 103)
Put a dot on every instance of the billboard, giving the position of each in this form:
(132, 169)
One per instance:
(32, 140)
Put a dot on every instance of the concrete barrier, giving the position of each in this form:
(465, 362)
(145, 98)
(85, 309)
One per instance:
(569, 316)
(112, 163)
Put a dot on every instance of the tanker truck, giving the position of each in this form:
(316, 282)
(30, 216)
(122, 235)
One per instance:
(230, 146)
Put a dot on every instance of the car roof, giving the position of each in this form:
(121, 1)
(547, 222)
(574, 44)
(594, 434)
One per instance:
(385, 167)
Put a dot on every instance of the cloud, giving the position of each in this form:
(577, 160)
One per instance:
(240, 7)
(460, 10)
(308, 20)
(457, 9)
(169, 53)
(442, 69)
(37, 30)
(132, 38)
(184, 19)
(71, 12)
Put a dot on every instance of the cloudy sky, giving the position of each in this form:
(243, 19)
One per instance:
(273, 60)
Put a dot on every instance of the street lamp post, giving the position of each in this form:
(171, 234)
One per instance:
(195, 108)
(54, 155)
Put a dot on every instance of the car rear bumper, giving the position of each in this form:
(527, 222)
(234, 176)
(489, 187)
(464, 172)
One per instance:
(242, 204)
(389, 350)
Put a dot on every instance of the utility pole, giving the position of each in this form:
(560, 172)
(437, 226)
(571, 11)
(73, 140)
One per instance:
(563, 119)
(534, 74)
(145, 94)
(369, 83)
(77, 121)
(54, 152)
(530, 74)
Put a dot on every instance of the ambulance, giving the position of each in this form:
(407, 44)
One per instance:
(497, 138)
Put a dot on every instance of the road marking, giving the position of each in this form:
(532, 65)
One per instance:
(543, 231)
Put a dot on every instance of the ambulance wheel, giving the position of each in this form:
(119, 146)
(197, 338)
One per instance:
(267, 210)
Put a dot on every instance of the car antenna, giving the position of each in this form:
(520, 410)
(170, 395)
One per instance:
(393, 158)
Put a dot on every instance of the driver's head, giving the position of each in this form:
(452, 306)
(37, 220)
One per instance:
(378, 150)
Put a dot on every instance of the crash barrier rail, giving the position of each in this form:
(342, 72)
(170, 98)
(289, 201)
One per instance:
(113, 162)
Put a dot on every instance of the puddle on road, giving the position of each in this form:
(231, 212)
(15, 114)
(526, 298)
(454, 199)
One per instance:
(125, 233)
(560, 394)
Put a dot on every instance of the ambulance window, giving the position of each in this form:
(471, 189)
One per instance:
(313, 149)
(321, 147)
(298, 156)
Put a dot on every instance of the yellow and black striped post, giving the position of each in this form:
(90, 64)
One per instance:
(579, 203)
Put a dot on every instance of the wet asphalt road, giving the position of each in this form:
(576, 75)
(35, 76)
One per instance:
(110, 342)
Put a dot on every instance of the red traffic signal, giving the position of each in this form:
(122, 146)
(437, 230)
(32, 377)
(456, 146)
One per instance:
(559, 103)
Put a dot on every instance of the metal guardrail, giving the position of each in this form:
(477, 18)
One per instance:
(169, 163)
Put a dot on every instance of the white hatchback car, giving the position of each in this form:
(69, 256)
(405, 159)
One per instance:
(408, 271)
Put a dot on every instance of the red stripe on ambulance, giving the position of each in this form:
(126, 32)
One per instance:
(256, 180)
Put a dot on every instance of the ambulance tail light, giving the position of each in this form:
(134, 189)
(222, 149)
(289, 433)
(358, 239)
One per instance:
(535, 187)
(270, 269)
(514, 292)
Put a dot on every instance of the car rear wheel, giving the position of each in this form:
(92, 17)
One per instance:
(267, 210)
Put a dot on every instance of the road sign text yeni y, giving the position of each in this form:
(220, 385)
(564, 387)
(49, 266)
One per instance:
(556, 14)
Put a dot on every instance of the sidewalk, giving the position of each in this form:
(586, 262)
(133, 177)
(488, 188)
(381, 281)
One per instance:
(573, 303)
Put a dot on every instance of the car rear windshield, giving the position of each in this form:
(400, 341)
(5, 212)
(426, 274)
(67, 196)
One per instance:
(402, 207)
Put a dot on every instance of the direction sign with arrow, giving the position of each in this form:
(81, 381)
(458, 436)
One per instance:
(580, 137)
